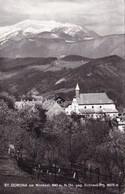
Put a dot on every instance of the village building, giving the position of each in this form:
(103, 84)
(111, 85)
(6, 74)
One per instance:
(51, 106)
(92, 105)
(121, 126)
(54, 110)
(119, 123)
(29, 103)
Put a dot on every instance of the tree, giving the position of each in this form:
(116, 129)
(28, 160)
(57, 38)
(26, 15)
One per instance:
(63, 131)
(110, 154)
(10, 100)
(28, 136)
(8, 124)
(117, 148)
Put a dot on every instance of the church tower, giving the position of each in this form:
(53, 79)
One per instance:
(77, 91)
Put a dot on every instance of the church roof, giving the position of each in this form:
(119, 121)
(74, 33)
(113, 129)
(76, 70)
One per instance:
(94, 98)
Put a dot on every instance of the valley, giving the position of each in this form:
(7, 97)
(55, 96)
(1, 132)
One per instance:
(52, 76)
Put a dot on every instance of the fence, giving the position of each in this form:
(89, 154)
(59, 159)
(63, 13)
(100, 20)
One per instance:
(79, 174)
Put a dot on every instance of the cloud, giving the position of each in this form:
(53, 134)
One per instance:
(82, 12)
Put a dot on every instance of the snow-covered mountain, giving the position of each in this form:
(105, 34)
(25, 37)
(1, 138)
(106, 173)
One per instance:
(32, 38)
(32, 27)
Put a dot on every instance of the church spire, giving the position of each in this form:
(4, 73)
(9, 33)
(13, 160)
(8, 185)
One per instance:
(77, 87)
(77, 90)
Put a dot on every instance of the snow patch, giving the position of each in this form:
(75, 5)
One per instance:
(31, 40)
(70, 41)
(59, 81)
(3, 42)
(89, 74)
(55, 36)
(88, 38)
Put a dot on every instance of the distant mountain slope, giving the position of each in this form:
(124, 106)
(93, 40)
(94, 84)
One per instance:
(45, 47)
(74, 58)
(8, 64)
(98, 75)
(47, 39)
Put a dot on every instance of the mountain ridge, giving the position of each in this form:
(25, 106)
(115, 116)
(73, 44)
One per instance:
(57, 40)
(34, 27)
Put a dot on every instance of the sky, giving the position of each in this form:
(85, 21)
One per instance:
(103, 16)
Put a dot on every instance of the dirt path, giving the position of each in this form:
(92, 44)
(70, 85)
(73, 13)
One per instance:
(8, 167)
(10, 173)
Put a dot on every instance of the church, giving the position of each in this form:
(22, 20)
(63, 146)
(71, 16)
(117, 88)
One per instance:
(92, 105)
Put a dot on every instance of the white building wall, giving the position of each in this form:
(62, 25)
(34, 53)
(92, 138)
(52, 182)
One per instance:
(108, 109)
(75, 106)
(68, 110)
(98, 107)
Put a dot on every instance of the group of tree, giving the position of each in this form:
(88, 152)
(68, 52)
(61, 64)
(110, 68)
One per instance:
(62, 139)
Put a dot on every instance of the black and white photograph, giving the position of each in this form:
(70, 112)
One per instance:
(62, 97)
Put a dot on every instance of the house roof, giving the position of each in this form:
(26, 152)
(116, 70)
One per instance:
(59, 98)
(55, 109)
(94, 98)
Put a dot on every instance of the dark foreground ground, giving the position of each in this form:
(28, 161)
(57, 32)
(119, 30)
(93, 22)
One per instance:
(13, 181)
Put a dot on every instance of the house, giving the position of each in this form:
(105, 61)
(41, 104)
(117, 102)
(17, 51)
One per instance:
(55, 110)
(37, 100)
(92, 105)
(121, 126)
(52, 108)
(119, 122)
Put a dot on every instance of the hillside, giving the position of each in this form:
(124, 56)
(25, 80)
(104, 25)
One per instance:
(99, 75)
(96, 75)
(44, 47)
(74, 58)
(8, 64)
